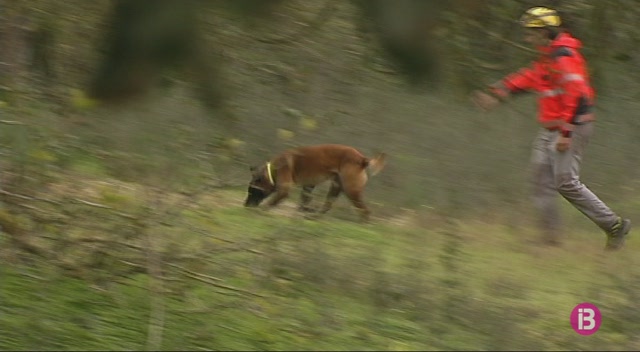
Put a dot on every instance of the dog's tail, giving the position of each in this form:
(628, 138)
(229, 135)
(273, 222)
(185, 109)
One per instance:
(376, 164)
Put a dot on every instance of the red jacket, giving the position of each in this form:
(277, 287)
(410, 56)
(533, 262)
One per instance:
(560, 78)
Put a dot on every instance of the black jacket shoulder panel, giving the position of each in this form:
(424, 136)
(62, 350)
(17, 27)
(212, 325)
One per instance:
(561, 51)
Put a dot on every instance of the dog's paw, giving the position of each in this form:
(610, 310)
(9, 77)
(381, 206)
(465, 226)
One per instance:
(306, 209)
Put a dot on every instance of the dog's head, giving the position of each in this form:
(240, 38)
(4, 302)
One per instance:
(261, 186)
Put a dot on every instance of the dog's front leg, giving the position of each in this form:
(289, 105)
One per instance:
(281, 193)
(305, 198)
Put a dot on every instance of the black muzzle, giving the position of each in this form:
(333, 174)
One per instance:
(255, 196)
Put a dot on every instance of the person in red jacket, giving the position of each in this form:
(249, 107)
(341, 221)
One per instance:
(565, 98)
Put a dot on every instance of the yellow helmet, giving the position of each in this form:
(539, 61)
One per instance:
(540, 17)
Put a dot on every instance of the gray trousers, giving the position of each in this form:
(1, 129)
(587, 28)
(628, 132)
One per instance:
(559, 172)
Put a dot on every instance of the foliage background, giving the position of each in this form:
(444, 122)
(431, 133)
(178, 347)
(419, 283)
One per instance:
(121, 221)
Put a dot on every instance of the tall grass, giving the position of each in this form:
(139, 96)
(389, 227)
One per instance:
(330, 284)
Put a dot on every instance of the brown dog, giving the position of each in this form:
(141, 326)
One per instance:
(309, 166)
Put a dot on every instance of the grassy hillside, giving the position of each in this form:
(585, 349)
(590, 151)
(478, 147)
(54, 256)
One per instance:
(228, 278)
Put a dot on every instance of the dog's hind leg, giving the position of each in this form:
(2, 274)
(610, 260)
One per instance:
(353, 189)
(305, 198)
(334, 192)
(356, 199)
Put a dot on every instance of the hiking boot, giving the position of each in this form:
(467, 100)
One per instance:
(617, 234)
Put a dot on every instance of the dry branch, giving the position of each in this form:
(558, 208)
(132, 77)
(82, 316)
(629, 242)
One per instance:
(106, 207)
(212, 281)
(199, 231)
(185, 270)
(100, 240)
(30, 198)
(477, 26)
(8, 122)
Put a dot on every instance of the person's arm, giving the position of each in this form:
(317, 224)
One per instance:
(517, 82)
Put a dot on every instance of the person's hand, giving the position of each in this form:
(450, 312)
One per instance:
(484, 101)
(563, 144)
